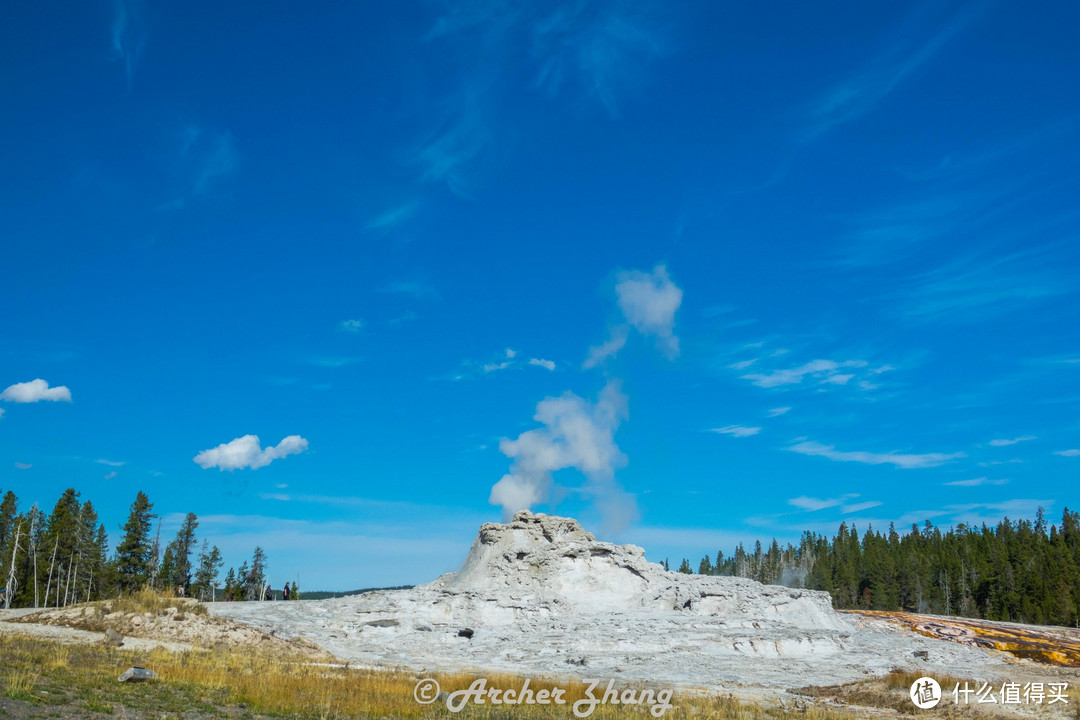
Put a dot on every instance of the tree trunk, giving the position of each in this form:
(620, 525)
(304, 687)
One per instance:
(33, 549)
(10, 587)
(52, 561)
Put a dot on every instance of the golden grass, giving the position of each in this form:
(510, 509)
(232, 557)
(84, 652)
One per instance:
(154, 602)
(19, 685)
(219, 683)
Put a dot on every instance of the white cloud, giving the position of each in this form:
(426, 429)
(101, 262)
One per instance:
(110, 463)
(1005, 442)
(110, 475)
(859, 507)
(742, 364)
(540, 362)
(508, 361)
(354, 325)
(575, 434)
(777, 412)
(976, 482)
(34, 391)
(1068, 453)
(900, 460)
(648, 302)
(813, 504)
(610, 347)
(23, 466)
(823, 370)
(245, 452)
(739, 431)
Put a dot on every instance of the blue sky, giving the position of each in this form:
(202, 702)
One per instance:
(348, 281)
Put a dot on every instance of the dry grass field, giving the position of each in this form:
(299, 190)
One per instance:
(50, 679)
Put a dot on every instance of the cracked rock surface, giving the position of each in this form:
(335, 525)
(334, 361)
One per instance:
(541, 596)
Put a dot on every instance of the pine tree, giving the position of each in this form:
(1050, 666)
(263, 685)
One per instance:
(255, 578)
(183, 545)
(685, 567)
(229, 592)
(133, 556)
(210, 563)
(62, 536)
(8, 508)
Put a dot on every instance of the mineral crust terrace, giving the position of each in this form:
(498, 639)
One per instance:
(541, 596)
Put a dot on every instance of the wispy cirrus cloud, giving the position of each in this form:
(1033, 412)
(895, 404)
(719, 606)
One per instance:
(127, 35)
(862, 91)
(211, 155)
(778, 411)
(982, 285)
(596, 50)
(392, 217)
(906, 461)
(738, 431)
(813, 504)
(415, 288)
(333, 361)
(578, 53)
(508, 359)
(1072, 452)
(826, 371)
(1005, 442)
(977, 482)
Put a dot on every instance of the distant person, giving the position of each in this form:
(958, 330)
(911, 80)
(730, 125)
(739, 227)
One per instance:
(269, 593)
(285, 592)
(180, 591)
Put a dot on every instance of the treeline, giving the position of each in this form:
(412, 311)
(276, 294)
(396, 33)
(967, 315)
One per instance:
(64, 557)
(1024, 571)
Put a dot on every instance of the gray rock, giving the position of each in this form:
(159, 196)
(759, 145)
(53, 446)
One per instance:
(137, 674)
(113, 638)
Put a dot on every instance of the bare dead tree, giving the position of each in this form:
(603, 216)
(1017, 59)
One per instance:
(11, 582)
(52, 561)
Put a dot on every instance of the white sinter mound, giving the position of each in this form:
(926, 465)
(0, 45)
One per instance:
(539, 595)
